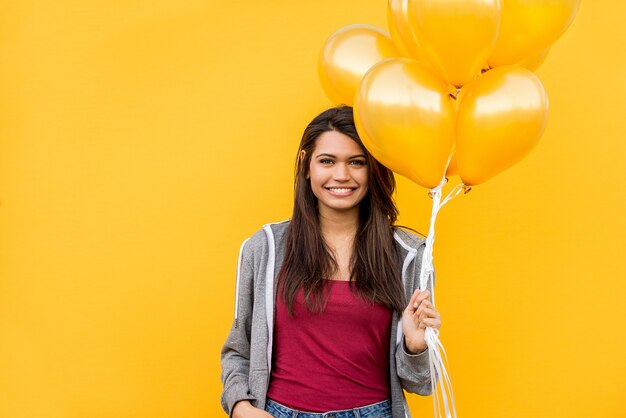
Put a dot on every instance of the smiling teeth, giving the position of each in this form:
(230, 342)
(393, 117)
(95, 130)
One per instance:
(340, 190)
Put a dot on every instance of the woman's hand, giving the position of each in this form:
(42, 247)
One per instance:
(418, 315)
(244, 409)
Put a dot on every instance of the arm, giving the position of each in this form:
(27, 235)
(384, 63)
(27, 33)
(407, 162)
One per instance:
(235, 355)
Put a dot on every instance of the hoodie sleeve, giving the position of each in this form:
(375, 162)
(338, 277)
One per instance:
(414, 369)
(235, 355)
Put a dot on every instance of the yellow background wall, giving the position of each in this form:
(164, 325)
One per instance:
(142, 141)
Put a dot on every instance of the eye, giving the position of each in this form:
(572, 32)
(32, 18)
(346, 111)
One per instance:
(326, 161)
(358, 162)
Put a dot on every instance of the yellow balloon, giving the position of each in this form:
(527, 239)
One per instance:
(347, 55)
(452, 170)
(405, 117)
(457, 36)
(534, 62)
(529, 27)
(501, 117)
(400, 29)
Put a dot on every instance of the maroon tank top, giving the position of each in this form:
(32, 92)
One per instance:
(338, 359)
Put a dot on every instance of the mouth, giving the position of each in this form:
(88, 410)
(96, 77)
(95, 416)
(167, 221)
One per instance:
(341, 191)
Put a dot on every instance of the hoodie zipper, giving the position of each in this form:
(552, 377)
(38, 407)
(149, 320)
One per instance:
(237, 283)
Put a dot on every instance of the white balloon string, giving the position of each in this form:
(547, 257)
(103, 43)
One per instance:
(443, 395)
(453, 193)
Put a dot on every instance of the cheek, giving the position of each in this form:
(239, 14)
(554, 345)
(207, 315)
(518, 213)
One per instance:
(316, 180)
(317, 176)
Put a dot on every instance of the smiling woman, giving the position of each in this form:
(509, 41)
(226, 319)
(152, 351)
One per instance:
(343, 327)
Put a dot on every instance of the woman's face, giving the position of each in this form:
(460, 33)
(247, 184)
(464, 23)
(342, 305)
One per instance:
(338, 172)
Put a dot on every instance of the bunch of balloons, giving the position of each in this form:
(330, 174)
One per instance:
(451, 89)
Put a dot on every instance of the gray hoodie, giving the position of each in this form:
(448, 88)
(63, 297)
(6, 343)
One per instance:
(247, 353)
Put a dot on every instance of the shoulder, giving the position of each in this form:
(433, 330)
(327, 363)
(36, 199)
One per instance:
(278, 230)
(271, 232)
(407, 239)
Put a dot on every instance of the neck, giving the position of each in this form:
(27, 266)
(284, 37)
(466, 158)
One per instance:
(335, 224)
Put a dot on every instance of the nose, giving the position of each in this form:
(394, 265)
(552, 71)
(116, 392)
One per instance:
(341, 172)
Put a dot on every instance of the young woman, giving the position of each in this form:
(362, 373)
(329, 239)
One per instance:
(327, 315)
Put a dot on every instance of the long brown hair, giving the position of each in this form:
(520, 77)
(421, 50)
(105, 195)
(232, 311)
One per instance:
(308, 259)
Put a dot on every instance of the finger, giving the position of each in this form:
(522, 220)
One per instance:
(425, 295)
(429, 313)
(427, 322)
(417, 298)
(430, 322)
(412, 303)
(425, 305)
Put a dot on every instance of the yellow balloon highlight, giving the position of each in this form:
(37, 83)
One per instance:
(529, 27)
(347, 55)
(405, 116)
(400, 29)
(457, 36)
(501, 118)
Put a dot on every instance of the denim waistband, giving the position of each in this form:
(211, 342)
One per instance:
(376, 410)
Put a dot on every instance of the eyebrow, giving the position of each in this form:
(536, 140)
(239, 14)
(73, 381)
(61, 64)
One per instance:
(332, 156)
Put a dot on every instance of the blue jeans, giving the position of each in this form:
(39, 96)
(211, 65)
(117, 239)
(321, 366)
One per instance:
(377, 410)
